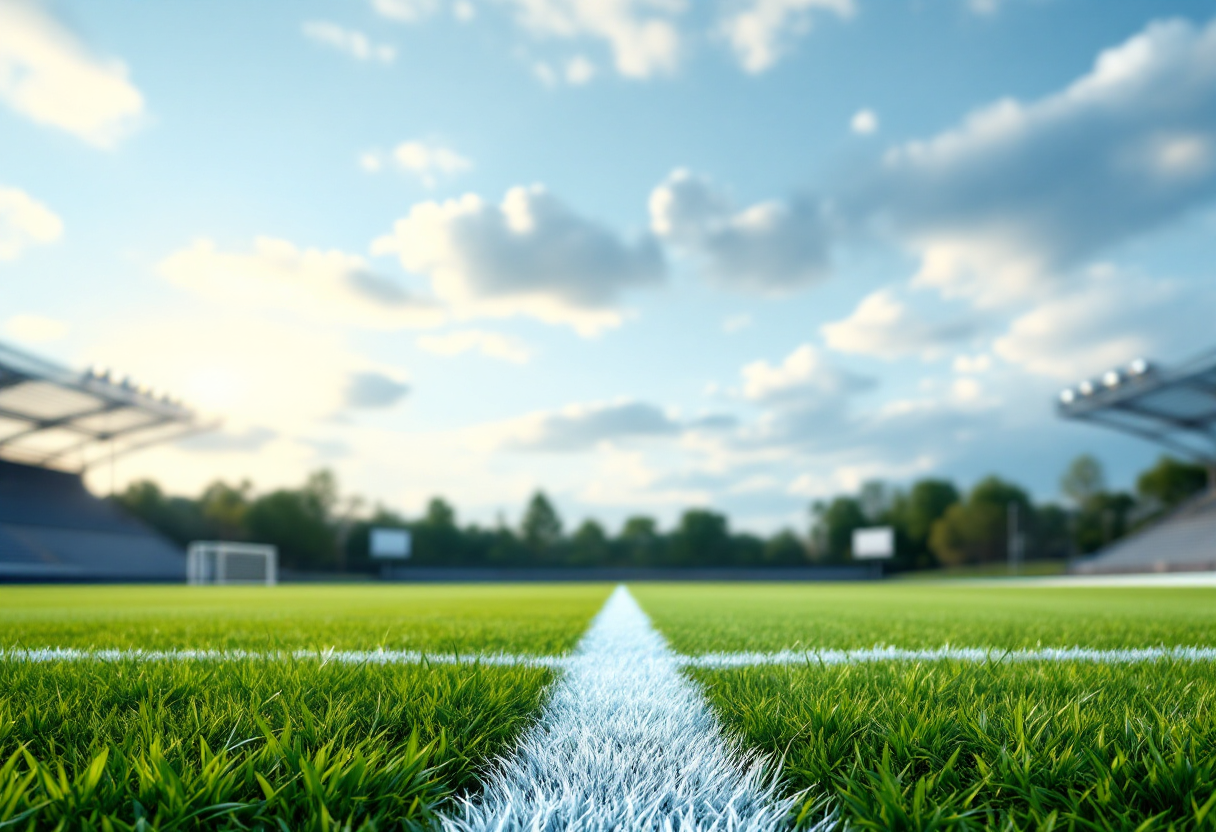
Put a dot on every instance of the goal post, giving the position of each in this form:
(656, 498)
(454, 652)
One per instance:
(228, 562)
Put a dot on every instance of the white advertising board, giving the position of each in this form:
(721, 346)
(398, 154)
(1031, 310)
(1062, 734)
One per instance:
(390, 544)
(874, 543)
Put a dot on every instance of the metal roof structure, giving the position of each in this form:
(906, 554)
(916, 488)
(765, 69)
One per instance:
(1173, 407)
(55, 417)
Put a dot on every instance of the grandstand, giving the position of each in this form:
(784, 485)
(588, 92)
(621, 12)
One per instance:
(55, 424)
(1175, 408)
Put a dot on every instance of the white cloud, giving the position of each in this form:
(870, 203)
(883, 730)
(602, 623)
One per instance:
(736, 323)
(770, 247)
(24, 222)
(426, 160)
(641, 33)
(579, 70)
(405, 11)
(489, 344)
(47, 75)
(581, 427)
(531, 255)
(885, 327)
(864, 122)
(353, 43)
(972, 364)
(1105, 323)
(804, 373)
(35, 329)
(760, 31)
(1003, 204)
(328, 286)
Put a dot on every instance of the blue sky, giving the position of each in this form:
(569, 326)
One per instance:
(646, 254)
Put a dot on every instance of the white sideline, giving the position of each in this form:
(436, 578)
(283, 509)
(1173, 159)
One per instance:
(626, 742)
(72, 654)
(980, 655)
(991, 655)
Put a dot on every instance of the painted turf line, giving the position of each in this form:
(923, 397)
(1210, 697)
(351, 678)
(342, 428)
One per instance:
(978, 655)
(385, 657)
(626, 742)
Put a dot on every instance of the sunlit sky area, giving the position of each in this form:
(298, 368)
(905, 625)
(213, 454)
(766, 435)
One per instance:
(645, 254)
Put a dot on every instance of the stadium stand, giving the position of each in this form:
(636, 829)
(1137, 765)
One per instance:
(55, 423)
(1175, 408)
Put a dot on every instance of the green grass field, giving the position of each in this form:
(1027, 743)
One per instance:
(718, 617)
(949, 745)
(255, 744)
(308, 744)
(532, 619)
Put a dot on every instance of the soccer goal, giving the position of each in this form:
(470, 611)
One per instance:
(224, 562)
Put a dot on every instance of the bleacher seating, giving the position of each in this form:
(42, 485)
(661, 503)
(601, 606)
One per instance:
(52, 528)
(1185, 541)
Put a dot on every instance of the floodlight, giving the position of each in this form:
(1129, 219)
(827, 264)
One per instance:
(1111, 378)
(1068, 395)
(1086, 388)
(1138, 367)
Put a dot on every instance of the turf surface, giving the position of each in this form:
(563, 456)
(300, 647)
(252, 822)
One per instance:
(950, 746)
(285, 744)
(726, 617)
(525, 618)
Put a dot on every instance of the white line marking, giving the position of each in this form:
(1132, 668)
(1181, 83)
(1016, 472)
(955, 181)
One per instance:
(626, 743)
(1128, 655)
(72, 654)
(1131, 655)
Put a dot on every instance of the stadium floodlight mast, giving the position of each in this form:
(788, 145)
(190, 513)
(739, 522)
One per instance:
(1174, 407)
(227, 562)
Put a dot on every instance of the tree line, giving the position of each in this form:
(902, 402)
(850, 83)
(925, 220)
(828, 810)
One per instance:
(317, 529)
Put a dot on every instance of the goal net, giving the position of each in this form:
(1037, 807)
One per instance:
(223, 562)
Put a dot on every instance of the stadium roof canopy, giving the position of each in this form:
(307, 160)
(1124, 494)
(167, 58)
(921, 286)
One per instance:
(56, 417)
(1173, 407)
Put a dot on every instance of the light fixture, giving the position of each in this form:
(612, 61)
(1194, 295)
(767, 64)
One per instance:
(1086, 388)
(1111, 378)
(1068, 396)
(1139, 367)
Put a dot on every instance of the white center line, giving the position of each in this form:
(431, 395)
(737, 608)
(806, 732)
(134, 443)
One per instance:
(626, 743)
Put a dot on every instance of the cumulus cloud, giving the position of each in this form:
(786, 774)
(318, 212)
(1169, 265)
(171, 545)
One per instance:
(48, 76)
(770, 247)
(489, 344)
(641, 34)
(406, 11)
(426, 160)
(329, 286)
(531, 255)
(805, 374)
(864, 122)
(24, 222)
(35, 329)
(885, 327)
(761, 31)
(1107, 322)
(584, 426)
(352, 42)
(367, 390)
(1021, 192)
(245, 440)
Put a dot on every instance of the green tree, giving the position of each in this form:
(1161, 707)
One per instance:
(225, 506)
(976, 531)
(784, 549)
(832, 527)
(589, 545)
(701, 539)
(1170, 482)
(641, 541)
(541, 527)
(1083, 480)
(296, 522)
